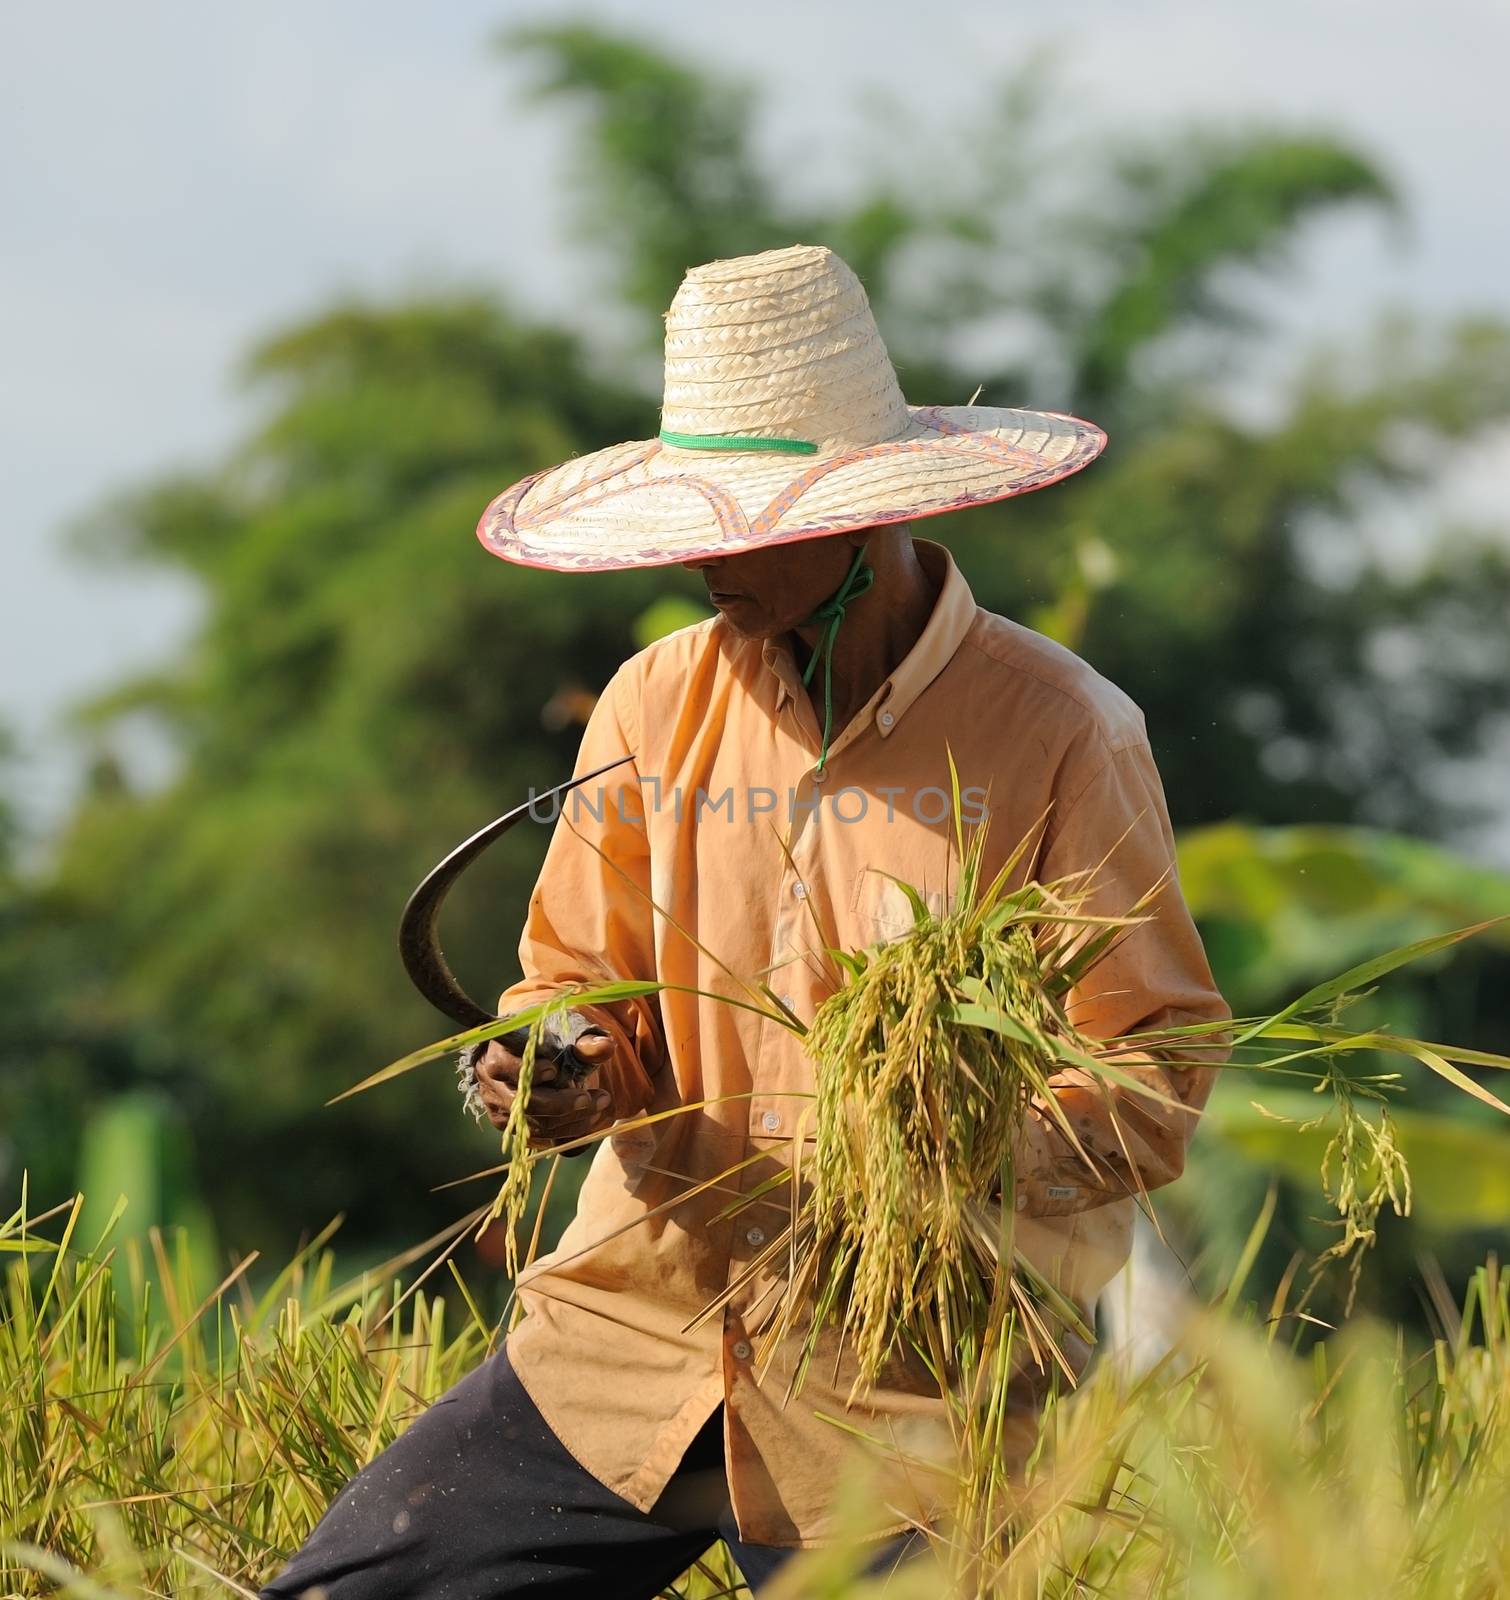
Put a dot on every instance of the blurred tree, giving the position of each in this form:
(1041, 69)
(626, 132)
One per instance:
(51, 1062)
(368, 687)
(358, 700)
(1220, 570)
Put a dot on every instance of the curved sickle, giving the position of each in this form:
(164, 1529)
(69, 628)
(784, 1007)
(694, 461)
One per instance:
(418, 940)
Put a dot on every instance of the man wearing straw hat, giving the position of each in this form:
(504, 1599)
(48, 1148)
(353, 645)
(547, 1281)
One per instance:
(780, 765)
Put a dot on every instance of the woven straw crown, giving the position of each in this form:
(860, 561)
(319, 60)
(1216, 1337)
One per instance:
(782, 418)
(781, 344)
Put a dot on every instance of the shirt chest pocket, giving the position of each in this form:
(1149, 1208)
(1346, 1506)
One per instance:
(881, 909)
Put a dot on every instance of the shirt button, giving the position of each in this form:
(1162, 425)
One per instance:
(755, 1237)
(800, 890)
(886, 719)
(818, 777)
(770, 1122)
(742, 1351)
(786, 1000)
(1022, 1202)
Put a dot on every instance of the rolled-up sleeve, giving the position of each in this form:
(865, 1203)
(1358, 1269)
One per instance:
(1154, 976)
(590, 919)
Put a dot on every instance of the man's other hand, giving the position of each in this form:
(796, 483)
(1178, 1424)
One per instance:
(558, 1110)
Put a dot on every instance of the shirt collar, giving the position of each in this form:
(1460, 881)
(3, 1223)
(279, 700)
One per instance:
(948, 623)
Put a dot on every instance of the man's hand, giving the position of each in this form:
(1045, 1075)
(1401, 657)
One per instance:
(558, 1110)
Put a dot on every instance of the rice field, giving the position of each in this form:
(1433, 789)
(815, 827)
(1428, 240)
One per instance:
(162, 1437)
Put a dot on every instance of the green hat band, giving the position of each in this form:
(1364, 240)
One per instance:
(732, 441)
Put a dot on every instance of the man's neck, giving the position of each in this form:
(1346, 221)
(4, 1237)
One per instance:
(878, 630)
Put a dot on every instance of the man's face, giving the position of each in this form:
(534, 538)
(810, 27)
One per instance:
(766, 592)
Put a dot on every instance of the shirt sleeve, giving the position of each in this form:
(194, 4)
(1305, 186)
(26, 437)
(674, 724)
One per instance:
(590, 919)
(1155, 976)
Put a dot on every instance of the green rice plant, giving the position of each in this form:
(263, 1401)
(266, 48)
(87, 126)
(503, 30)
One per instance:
(926, 1057)
(1371, 1168)
(1233, 1469)
(161, 1439)
(158, 1440)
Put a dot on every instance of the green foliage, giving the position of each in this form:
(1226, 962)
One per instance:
(1275, 689)
(360, 699)
(138, 1145)
(1279, 905)
(1459, 1177)
(367, 687)
(665, 616)
(49, 1065)
(1224, 201)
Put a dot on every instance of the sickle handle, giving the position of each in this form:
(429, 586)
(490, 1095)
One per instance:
(418, 939)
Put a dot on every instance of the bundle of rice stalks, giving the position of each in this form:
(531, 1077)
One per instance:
(925, 1063)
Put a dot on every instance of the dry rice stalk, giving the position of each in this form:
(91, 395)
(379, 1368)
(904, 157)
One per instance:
(925, 1061)
(513, 1195)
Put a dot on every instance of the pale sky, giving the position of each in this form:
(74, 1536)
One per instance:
(181, 178)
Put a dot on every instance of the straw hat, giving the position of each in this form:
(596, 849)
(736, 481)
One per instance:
(782, 419)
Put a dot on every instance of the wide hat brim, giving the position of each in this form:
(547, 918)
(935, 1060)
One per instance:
(648, 504)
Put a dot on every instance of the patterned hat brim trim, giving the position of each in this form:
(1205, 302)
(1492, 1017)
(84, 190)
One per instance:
(731, 532)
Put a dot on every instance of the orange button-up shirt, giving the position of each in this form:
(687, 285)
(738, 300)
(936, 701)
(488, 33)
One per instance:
(725, 742)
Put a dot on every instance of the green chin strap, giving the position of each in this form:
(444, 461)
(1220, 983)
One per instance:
(829, 615)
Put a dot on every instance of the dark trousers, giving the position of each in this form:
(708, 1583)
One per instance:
(478, 1499)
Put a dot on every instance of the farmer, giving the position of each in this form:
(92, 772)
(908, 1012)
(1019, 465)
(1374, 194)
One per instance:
(788, 755)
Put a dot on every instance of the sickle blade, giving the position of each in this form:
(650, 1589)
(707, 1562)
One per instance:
(418, 938)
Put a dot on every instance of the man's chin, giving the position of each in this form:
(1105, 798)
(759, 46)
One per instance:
(747, 627)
